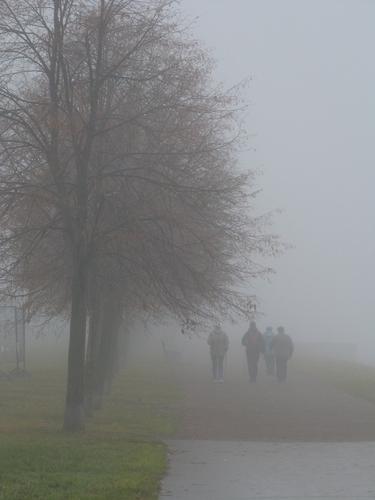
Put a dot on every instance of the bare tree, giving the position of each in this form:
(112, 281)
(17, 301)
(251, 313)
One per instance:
(118, 167)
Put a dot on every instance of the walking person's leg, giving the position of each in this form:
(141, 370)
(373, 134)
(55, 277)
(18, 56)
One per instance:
(279, 369)
(248, 365)
(253, 368)
(285, 369)
(251, 371)
(214, 367)
(220, 361)
(272, 365)
(265, 357)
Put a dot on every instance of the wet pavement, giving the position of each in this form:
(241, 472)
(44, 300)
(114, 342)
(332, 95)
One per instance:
(230, 470)
(307, 408)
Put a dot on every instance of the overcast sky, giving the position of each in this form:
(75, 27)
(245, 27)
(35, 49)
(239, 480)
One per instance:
(312, 117)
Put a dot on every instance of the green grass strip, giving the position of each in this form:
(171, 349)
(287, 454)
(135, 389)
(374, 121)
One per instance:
(120, 456)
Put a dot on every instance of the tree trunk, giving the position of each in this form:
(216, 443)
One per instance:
(74, 405)
(105, 366)
(93, 346)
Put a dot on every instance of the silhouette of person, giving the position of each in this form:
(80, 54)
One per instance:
(283, 348)
(253, 341)
(219, 344)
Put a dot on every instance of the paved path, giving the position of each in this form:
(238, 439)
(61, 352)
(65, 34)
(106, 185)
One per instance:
(240, 441)
(211, 470)
(307, 408)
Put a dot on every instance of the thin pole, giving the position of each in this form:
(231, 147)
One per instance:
(16, 331)
(23, 338)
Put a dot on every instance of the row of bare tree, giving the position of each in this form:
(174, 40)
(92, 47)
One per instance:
(119, 191)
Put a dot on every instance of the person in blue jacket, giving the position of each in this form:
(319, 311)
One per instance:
(269, 357)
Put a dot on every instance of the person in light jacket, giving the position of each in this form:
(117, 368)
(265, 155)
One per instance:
(219, 344)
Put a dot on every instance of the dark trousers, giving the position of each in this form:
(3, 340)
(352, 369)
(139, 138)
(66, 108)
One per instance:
(270, 363)
(252, 366)
(281, 369)
(218, 367)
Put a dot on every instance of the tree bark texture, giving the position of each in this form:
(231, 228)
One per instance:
(74, 405)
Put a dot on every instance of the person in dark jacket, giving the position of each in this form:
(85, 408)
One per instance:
(253, 341)
(219, 344)
(282, 347)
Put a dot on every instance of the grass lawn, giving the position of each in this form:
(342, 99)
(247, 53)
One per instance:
(118, 457)
(353, 378)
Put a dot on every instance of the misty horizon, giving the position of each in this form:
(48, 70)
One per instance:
(311, 127)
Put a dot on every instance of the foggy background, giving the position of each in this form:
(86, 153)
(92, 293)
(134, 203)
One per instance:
(312, 132)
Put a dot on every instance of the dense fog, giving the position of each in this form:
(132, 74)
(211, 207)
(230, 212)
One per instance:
(311, 127)
(310, 123)
(187, 249)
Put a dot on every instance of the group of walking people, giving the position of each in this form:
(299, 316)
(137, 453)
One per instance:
(277, 349)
